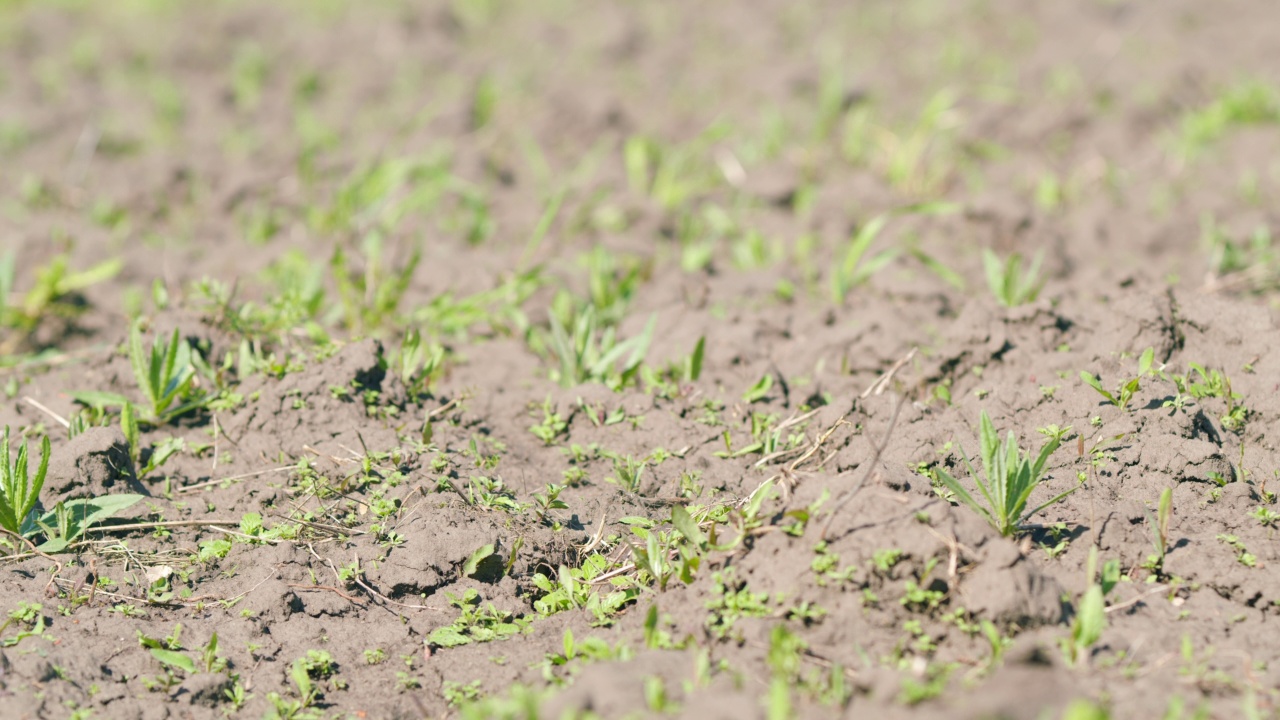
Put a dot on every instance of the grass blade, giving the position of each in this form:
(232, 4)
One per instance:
(960, 492)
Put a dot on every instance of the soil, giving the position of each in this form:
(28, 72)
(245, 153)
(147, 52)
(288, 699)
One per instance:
(262, 172)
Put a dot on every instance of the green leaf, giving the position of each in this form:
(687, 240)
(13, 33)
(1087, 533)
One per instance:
(960, 492)
(695, 360)
(759, 390)
(995, 276)
(686, 525)
(1164, 511)
(129, 426)
(174, 659)
(8, 267)
(1144, 362)
(161, 454)
(447, 637)
(99, 400)
(1091, 618)
(937, 267)
(1110, 575)
(1094, 382)
(473, 562)
(84, 513)
(301, 678)
(567, 643)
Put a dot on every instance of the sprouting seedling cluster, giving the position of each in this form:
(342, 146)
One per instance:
(585, 353)
(1008, 478)
(19, 488)
(1011, 282)
(1126, 388)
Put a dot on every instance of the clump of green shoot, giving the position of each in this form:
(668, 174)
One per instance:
(1212, 383)
(1008, 478)
(54, 294)
(19, 489)
(1011, 282)
(1159, 525)
(420, 363)
(1127, 388)
(165, 375)
(1091, 615)
(852, 270)
(1247, 103)
(589, 354)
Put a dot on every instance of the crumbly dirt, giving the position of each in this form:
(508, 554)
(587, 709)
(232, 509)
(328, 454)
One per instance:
(262, 172)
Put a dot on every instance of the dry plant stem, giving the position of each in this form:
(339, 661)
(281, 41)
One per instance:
(384, 599)
(597, 538)
(1139, 598)
(243, 536)
(161, 524)
(41, 407)
(329, 588)
(878, 387)
(871, 464)
(35, 551)
(232, 478)
(790, 474)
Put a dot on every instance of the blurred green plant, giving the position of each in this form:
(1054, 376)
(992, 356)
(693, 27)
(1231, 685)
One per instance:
(19, 489)
(1010, 477)
(54, 294)
(1012, 282)
(1250, 102)
(587, 353)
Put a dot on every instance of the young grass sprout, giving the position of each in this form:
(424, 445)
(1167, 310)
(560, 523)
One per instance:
(19, 490)
(1126, 389)
(1011, 282)
(590, 355)
(165, 375)
(852, 271)
(1010, 477)
(1159, 525)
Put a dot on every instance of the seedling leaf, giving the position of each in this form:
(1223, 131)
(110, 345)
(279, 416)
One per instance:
(473, 562)
(685, 523)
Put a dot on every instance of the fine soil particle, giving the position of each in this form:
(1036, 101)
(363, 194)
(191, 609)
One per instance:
(568, 359)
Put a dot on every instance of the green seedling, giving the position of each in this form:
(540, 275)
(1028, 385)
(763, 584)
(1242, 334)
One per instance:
(8, 268)
(70, 520)
(1247, 103)
(1159, 525)
(1010, 477)
(1126, 389)
(1086, 627)
(54, 294)
(476, 623)
(553, 424)
(1266, 516)
(19, 489)
(544, 503)
(1240, 264)
(692, 366)
(758, 391)
(369, 293)
(1011, 282)
(852, 271)
(165, 375)
(420, 363)
(588, 354)
(1212, 383)
(1243, 556)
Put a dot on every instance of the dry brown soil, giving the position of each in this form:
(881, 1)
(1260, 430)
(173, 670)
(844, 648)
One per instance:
(241, 159)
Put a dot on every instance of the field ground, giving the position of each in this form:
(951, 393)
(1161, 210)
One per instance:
(567, 359)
